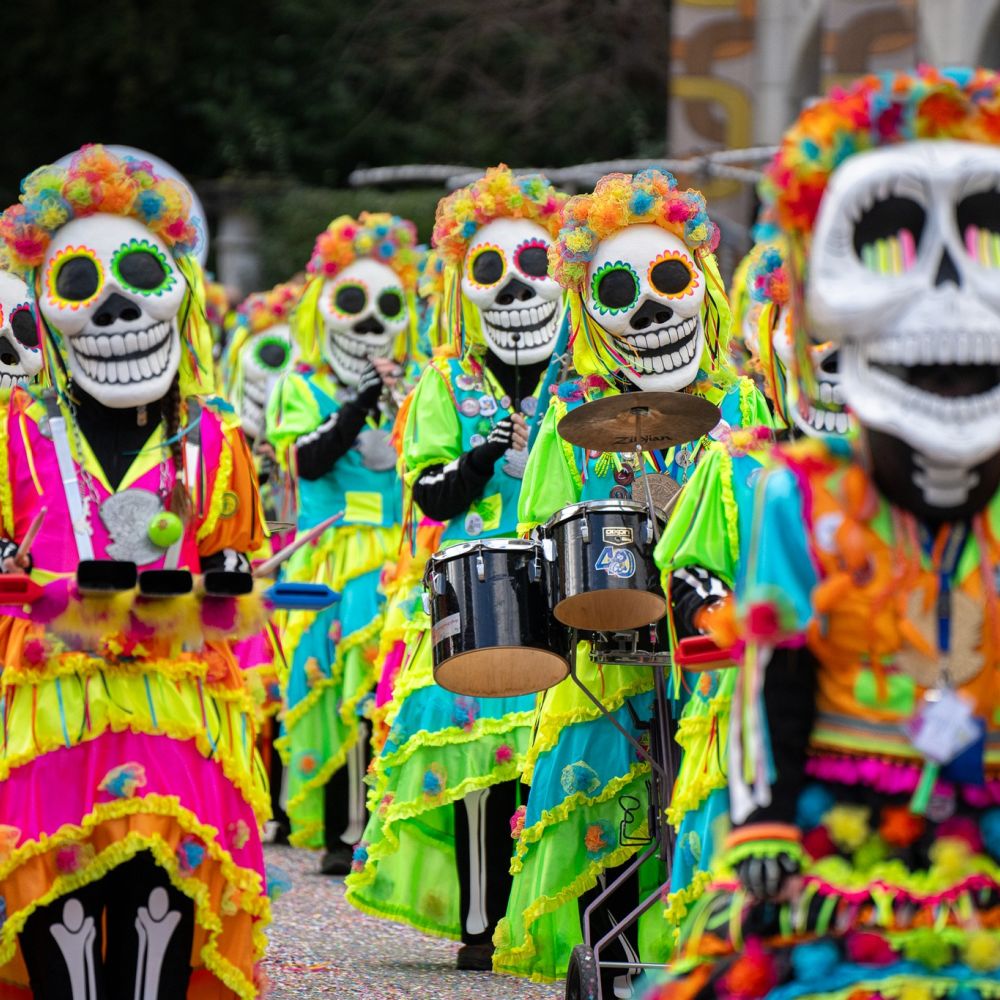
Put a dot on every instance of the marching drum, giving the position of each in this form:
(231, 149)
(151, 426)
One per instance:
(492, 628)
(603, 576)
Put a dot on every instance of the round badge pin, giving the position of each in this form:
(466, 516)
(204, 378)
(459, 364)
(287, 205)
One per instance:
(487, 406)
(529, 406)
(618, 493)
(469, 407)
(474, 524)
(465, 382)
(505, 402)
(476, 440)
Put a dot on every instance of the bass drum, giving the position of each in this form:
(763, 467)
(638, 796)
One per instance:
(492, 630)
(603, 574)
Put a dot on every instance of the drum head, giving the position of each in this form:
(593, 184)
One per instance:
(501, 671)
(608, 610)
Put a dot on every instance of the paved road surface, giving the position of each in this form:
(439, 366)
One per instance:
(321, 947)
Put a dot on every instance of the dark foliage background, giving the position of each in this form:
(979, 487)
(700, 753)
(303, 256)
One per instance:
(300, 92)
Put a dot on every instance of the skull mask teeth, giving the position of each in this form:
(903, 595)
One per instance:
(646, 290)
(364, 310)
(264, 357)
(903, 276)
(20, 357)
(506, 277)
(112, 289)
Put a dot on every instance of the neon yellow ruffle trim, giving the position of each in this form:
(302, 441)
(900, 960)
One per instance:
(45, 718)
(255, 903)
(453, 736)
(387, 912)
(219, 488)
(680, 902)
(507, 959)
(551, 723)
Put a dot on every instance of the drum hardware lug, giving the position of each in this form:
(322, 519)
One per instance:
(584, 532)
(427, 602)
(549, 549)
(535, 569)
(438, 584)
(649, 531)
(480, 567)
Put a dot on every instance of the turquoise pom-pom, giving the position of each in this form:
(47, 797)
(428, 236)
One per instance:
(814, 803)
(815, 960)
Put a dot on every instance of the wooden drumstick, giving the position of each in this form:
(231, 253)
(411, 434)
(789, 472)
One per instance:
(267, 567)
(36, 525)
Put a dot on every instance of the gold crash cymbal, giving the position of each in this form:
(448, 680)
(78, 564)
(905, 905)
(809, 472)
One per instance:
(651, 419)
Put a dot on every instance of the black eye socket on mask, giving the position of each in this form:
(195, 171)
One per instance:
(23, 325)
(77, 279)
(617, 288)
(141, 270)
(487, 268)
(887, 220)
(272, 354)
(350, 299)
(533, 260)
(980, 211)
(670, 277)
(390, 304)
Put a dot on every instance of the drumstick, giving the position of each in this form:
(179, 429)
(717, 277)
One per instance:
(30, 535)
(516, 405)
(269, 565)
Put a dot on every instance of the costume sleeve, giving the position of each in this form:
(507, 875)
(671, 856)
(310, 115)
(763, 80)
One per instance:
(235, 519)
(552, 477)
(292, 412)
(317, 452)
(444, 480)
(754, 411)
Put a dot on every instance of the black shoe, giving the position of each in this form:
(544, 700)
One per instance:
(336, 862)
(475, 958)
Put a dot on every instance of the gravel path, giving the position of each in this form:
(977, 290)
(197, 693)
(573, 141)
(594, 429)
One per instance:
(322, 947)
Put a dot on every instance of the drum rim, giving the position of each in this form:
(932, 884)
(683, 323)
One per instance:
(609, 505)
(489, 544)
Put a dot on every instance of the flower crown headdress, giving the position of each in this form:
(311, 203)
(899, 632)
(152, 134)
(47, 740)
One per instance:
(380, 236)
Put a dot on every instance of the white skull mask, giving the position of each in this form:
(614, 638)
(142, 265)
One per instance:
(903, 275)
(506, 276)
(263, 359)
(112, 289)
(364, 310)
(645, 288)
(20, 357)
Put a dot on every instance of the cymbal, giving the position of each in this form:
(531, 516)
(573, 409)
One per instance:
(280, 526)
(665, 419)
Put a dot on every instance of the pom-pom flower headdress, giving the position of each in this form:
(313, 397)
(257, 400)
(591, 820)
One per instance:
(498, 194)
(618, 201)
(768, 285)
(379, 236)
(98, 181)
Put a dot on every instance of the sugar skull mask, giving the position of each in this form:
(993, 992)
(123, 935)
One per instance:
(20, 357)
(364, 309)
(263, 359)
(903, 276)
(112, 289)
(506, 277)
(645, 289)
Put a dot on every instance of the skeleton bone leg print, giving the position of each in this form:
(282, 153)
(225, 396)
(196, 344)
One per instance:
(155, 925)
(75, 939)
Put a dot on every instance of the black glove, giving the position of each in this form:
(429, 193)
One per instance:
(483, 457)
(765, 877)
(369, 388)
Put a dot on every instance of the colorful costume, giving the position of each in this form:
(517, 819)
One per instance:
(669, 329)
(437, 849)
(863, 859)
(131, 794)
(328, 425)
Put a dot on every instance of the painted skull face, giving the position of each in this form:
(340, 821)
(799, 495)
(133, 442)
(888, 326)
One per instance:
(506, 276)
(20, 356)
(113, 290)
(903, 276)
(264, 358)
(646, 290)
(364, 310)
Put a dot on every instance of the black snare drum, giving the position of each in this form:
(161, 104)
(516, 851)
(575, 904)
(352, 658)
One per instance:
(492, 628)
(603, 574)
